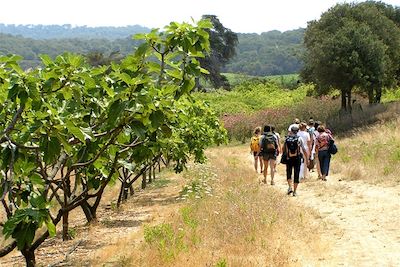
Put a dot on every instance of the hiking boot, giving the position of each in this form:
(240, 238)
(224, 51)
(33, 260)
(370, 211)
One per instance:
(289, 191)
(272, 182)
(264, 181)
(294, 194)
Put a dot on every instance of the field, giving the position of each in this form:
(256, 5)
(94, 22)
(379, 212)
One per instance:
(218, 214)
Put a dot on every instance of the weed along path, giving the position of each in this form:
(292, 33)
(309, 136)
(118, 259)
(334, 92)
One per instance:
(360, 224)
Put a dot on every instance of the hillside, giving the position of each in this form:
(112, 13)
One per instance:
(269, 53)
(67, 31)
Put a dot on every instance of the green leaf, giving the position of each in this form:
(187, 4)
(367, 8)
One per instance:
(36, 179)
(110, 92)
(75, 131)
(115, 111)
(157, 118)
(46, 59)
(50, 227)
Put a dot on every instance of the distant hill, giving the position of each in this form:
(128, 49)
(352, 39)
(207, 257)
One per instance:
(269, 53)
(68, 31)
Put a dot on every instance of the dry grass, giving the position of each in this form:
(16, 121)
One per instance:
(241, 224)
(371, 154)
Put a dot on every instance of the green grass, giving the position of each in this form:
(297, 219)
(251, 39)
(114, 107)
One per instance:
(392, 95)
(287, 81)
(249, 97)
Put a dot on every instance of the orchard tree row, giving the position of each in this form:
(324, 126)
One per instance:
(69, 130)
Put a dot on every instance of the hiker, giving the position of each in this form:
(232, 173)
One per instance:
(269, 151)
(316, 134)
(294, 148)
(255, 149)
(305, 137)
(278, 137)
(296, 123)
(322, 146)
(311, 131)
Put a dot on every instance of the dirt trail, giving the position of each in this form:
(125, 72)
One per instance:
(359, 223)
(360, 220)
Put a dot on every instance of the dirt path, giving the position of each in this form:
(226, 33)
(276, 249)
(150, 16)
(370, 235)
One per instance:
(360, 221)
(359, 224)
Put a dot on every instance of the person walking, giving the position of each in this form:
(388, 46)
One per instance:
(295, 123)
(311, 131)
(255, 149)
(269, 150)
(278, 137)
(324, 157)
(305, 137)
(294, 148)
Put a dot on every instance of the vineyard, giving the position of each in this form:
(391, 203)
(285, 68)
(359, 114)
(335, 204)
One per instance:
(69, 131)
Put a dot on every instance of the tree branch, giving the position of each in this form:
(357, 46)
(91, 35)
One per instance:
(7, 249)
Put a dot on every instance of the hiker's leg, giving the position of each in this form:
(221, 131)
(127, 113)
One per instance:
(265, 170)
(305, 174)
(266, 163)
(255, 161)
(272, 165)
(261, 163)
(289, 168)
(325, 163)
(319, 163)
(301, 175)
(296, 181)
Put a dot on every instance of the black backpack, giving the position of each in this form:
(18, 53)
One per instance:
(292, 146)
(268, 144)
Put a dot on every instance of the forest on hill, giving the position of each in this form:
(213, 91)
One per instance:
(269, 53)
(40, 32)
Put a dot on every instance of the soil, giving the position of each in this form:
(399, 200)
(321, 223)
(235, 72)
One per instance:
(360, 220)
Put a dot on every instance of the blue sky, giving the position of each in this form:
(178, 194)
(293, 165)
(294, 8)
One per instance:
(240, 16)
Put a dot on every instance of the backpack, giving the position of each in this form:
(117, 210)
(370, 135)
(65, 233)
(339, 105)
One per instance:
(269, 145)
(255, 144)
(292, 146)
(332, 148)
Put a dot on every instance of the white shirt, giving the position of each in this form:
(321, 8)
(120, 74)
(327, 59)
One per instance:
(305, 137)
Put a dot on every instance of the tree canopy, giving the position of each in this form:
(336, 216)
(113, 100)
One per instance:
(353, 46)
(222, 48)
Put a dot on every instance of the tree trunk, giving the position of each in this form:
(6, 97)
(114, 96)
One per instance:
(144, 180)
(89, 213)
(65, 231)
(378, 95)
(29, 257)
(343, 107)
(371, 96)
(349, 101)
(121, 192)
(150, 176)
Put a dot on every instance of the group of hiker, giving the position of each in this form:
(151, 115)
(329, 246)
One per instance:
(305, 147)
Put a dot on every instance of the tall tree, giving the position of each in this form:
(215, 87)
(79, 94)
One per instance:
(347, 48)
(222, 44)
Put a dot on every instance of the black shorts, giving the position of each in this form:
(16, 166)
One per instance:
(269, 156)
(256, 154)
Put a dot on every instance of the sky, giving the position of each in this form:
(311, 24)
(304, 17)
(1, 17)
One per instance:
(245, 16)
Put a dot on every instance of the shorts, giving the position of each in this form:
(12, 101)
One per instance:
(256, 154)
(269, 156)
